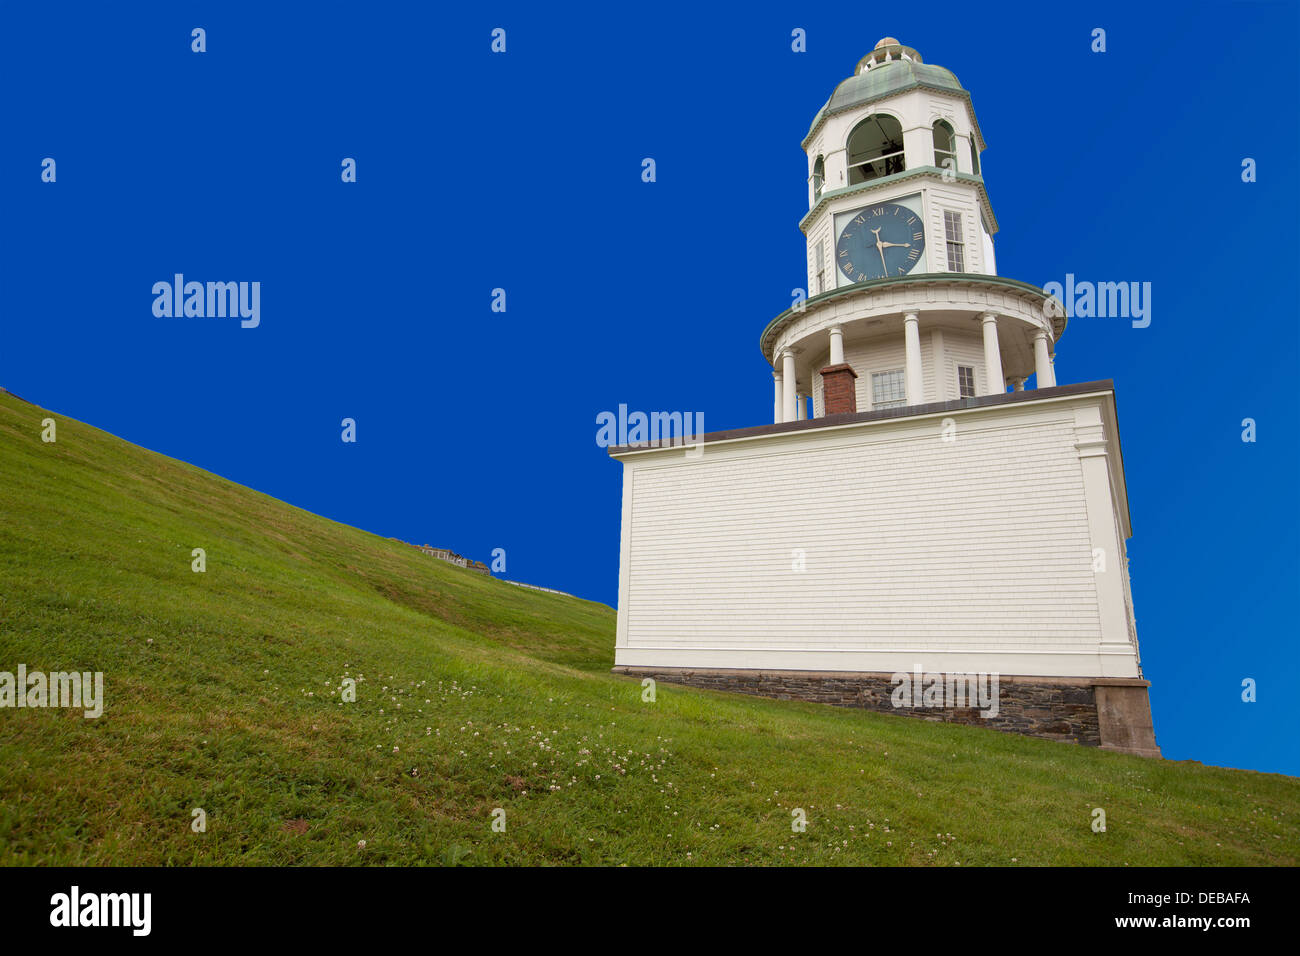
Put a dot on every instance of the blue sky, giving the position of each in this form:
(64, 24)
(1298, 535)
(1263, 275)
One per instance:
(476, 430)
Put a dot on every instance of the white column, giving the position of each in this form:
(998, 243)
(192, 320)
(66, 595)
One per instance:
(912, 358)
(789, 403)
(801, 410)
(777, 398)
(1018, 384)
(837, 346)
(992, 356)
(1043, 361)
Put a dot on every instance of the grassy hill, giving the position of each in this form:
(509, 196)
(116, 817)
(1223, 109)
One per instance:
(223, 693)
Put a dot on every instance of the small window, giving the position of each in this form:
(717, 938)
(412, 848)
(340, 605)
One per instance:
(965, 381)
(945, 151)
(956, 246)
(974, 157)
(819, 178)
(887, 389)
(821, 268)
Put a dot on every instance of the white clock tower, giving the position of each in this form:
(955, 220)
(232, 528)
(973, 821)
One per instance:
(930, 525)
(897, 202)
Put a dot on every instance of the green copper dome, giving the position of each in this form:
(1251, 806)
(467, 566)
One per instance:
(888, 69)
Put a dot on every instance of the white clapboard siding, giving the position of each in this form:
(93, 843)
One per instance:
(964, 350)
(976, 551)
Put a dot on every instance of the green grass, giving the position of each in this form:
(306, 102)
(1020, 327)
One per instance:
(223, 693)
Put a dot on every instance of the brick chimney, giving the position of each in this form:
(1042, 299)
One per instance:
(839, 391)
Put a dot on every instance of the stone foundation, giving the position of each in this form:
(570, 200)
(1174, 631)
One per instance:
(1111, 713)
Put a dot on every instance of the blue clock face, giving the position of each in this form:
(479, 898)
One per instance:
(881, 240)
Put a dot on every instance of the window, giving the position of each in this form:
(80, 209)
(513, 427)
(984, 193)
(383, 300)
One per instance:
(974, 158)
(956, 247)
(887, 389)
(819, 178)
(965, 381)
(945, 155)
(821, 268)
(875, 149)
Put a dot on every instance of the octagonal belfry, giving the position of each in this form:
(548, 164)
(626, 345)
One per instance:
(904, 300)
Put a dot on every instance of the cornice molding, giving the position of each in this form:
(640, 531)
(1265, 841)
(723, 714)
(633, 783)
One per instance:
(952, 279)
(920, 172)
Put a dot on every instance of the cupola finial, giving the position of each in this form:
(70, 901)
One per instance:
(886, 51)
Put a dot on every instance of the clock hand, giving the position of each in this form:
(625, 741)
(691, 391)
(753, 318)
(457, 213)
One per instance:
(880, 248)
(888, 244)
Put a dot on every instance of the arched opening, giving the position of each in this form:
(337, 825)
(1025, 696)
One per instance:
(875, 149)
(819, 178)
(974, 157)
(945, 146)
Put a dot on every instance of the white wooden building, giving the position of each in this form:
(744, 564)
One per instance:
(912, 507)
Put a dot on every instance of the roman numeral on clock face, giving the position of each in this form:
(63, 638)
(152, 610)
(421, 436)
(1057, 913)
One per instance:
(916, 235)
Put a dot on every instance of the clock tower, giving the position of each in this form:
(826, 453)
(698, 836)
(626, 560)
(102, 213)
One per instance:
(898, 211)
(915, 525)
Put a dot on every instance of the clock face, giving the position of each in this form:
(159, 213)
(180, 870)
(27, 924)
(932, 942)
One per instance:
(881, 240)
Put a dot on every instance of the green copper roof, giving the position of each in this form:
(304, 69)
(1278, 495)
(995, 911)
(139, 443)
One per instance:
(886, 80)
